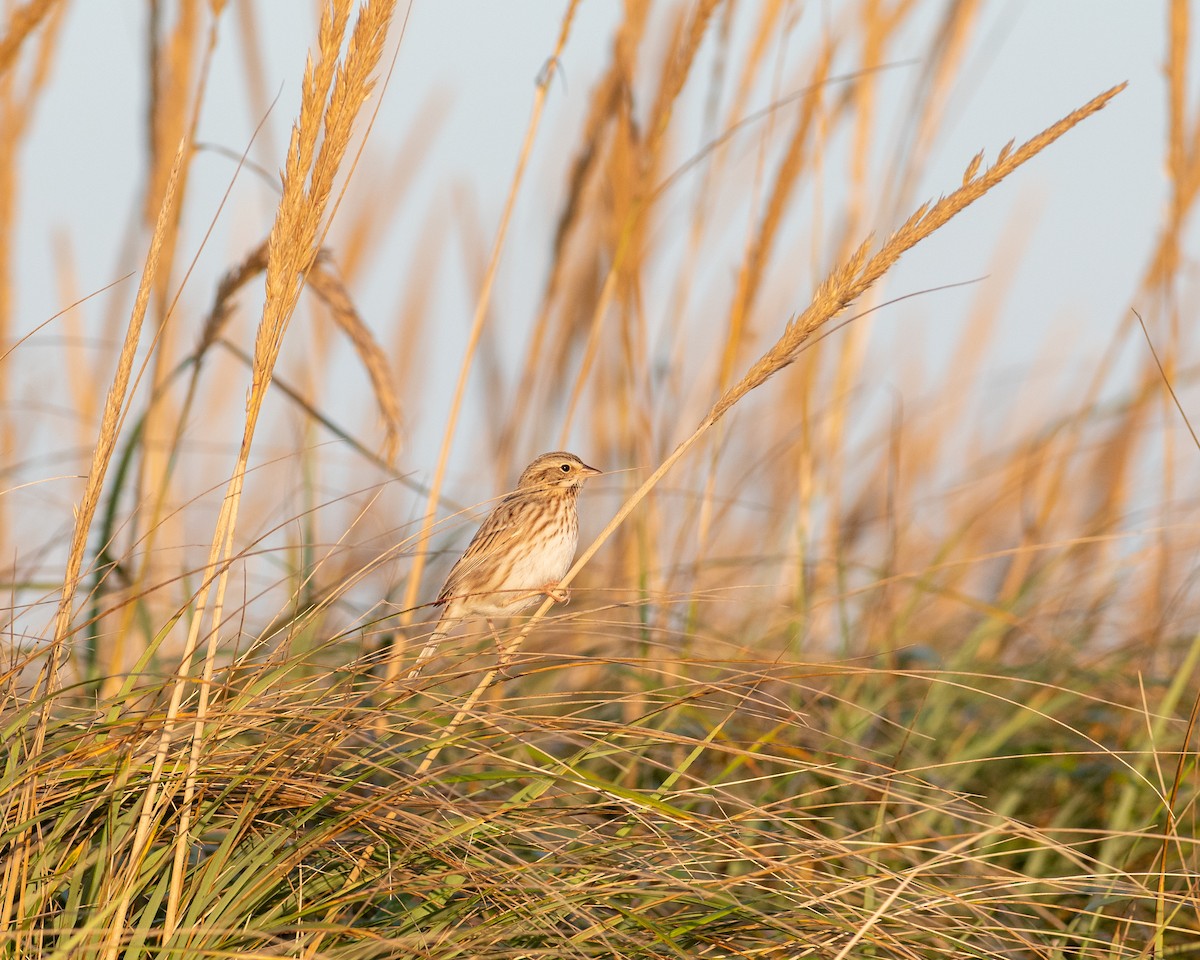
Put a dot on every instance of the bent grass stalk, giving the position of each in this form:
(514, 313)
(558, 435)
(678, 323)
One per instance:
(838, 291)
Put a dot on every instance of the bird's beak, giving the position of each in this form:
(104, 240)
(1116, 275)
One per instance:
(590, 471)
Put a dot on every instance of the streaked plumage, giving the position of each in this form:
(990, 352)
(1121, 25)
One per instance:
(520, 552)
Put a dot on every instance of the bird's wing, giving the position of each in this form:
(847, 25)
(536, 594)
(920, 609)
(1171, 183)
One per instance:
(493, 538)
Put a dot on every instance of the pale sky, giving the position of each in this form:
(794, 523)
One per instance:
(1087, 208)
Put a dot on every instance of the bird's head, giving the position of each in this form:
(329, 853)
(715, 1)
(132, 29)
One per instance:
(556, 471)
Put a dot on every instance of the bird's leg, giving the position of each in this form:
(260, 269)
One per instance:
(503, 658)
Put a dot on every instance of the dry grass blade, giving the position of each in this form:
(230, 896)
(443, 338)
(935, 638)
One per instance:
(325, 282)
(677, 69)
(787, 178)
(634, 160)
(20, 92)
(604, 110)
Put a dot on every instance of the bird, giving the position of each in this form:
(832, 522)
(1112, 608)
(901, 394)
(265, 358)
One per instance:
(519, 553)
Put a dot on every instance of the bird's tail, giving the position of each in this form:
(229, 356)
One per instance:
(444, 626)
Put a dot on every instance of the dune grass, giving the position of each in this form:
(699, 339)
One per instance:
(832, 684)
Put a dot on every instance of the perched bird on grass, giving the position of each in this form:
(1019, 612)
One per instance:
(520, 552)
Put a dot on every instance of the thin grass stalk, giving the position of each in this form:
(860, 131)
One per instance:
(678, 68)
(83, 385)
(342, 434)
(1182, 153)
(1171, 835)
(937, 86)
(880, 26)
(701, 212)
(762, 244)
(1190, 660)
(1158, 721)
(364, 231)
(1178, 30)
(481, 311)
(841, 288)
(249, 36)
(591, 349)
(1178, 39)
(325, 281)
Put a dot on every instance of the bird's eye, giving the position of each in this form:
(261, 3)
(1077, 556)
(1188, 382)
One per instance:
(566, 468)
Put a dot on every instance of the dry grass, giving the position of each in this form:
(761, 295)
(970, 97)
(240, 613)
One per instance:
(835, 683)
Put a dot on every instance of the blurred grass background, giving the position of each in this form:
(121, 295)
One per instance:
(887, 660)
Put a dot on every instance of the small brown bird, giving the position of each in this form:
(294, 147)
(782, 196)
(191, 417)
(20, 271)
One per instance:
(520, 552)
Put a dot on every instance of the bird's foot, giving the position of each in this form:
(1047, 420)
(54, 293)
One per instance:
(556, 593)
